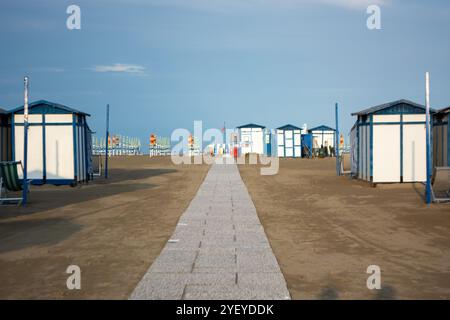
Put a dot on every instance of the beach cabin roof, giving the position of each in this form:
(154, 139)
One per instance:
(322, 128)
(2, 111)
(394, 107)
(251, 125)
(289, 127)
(444, 110)
(54, 108)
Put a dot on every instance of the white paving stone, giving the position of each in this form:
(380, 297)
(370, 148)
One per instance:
(219, 249)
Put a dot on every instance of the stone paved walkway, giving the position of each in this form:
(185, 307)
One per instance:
(219, 249)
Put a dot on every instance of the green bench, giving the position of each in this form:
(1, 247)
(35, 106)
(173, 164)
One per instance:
(10, 182)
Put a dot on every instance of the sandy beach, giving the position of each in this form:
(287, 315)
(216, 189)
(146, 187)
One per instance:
(112, 229)
(326, 230)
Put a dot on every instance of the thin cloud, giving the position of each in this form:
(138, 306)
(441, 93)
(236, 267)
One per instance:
(246, 4)
(120, 68)
(355, 4)
(50, 69)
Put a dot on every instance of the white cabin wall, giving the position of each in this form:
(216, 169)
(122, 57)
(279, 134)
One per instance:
(59, 153)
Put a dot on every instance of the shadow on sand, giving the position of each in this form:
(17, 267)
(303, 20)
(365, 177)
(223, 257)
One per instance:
(329, 293)
(48, 197)
(386, 292)
(420, 191)
(16, 235)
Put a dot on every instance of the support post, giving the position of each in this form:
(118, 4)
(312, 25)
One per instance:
(336, 141)
(224, 134)
(25, 144)
(106, 142)
(428, 135)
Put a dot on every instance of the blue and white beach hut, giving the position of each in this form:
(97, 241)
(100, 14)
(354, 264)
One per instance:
(59, 149)
(5, 136)
(289, 141)
(441, 138)
(390, 142)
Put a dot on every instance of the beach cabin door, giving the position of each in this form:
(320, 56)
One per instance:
(280, 143)
(289, 143)
(257, 141)
(386, 153)
(414, 153)
(59, 147)
(297, 143)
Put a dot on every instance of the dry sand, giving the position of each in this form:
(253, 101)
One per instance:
(326, 230)
(113, 230)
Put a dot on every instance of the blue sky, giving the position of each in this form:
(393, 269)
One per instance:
(161, 64)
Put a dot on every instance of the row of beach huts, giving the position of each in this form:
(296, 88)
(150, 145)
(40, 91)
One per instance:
(387, 142)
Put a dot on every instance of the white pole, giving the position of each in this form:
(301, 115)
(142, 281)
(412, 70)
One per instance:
(428, 138)
(25, 143)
